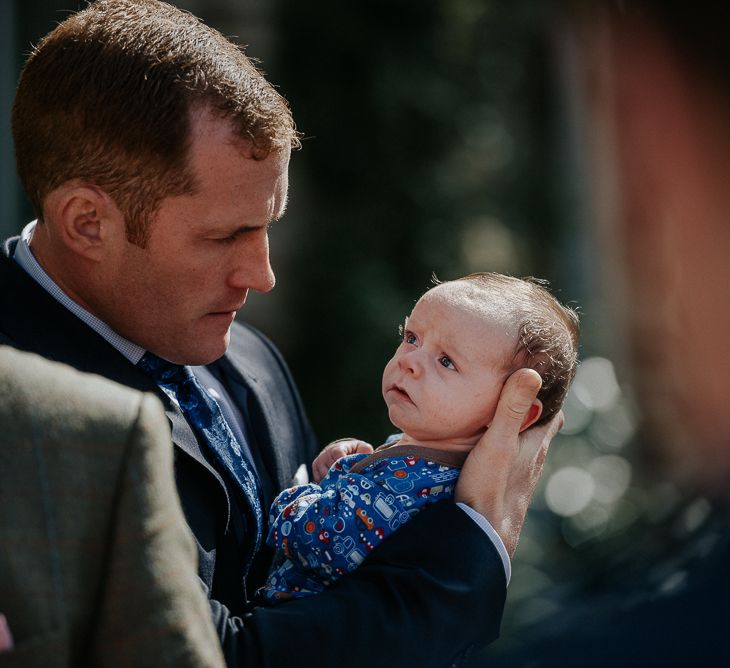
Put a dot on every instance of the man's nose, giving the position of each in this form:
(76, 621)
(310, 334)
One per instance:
(253, 268)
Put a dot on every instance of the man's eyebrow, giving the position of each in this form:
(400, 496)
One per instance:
(242, 229)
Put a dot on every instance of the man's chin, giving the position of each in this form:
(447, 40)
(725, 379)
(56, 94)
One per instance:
(201, 352)
(213, 352)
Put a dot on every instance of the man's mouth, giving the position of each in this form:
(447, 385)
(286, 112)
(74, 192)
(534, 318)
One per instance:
(228, 311)
(234, 308)
(223, 316)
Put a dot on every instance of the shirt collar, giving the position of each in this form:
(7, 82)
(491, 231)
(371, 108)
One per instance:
(25, 258)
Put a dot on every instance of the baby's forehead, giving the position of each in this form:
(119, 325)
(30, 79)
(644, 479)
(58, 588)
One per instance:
(468, 319)
(475, 301)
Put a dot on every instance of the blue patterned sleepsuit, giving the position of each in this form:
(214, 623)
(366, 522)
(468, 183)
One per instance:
(323, 531)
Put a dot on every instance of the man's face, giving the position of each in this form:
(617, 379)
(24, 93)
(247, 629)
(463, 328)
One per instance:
(443, 383)
(178, 296)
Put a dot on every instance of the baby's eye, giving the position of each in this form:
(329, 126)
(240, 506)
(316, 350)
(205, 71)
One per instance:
(446, 362)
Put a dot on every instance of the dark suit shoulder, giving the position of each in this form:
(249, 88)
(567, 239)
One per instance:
(254, 351)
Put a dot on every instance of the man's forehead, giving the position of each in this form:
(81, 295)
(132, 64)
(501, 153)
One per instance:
(207, 125)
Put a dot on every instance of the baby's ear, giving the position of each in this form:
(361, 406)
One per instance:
(533, 415)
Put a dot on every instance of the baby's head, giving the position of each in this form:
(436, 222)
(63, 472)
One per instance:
(461, 342)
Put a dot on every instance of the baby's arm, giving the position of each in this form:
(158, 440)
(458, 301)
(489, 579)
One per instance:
(291, 502)
(330, 532)
(331, 453)
(321, 466)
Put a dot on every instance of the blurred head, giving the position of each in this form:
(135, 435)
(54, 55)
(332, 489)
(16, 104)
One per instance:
(461, 342)
(660, 129)
(105, 99)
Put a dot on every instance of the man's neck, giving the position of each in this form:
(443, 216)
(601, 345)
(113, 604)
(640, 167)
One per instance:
(43, 274)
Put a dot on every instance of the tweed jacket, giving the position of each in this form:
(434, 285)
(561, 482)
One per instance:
(97, 565)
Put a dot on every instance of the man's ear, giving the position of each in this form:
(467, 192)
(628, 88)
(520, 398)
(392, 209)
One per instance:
(84, 217)
(533, 415)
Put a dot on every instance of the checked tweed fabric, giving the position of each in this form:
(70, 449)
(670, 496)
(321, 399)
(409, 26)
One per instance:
(206, 419)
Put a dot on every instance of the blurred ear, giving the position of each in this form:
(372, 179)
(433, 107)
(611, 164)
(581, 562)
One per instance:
(84, 217)
(533, 415)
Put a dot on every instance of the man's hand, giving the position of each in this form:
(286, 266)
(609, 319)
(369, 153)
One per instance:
(501, 472)
(335, 450)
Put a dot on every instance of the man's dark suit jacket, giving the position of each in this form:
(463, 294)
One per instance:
(419, 599)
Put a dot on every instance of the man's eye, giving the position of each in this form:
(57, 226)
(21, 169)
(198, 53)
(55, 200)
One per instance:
(410, 338)
(229, 239)
(446, 362)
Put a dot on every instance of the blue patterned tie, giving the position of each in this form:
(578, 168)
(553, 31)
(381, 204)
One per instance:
(204, 415)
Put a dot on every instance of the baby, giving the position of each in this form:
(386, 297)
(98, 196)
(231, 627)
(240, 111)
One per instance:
(461, 342)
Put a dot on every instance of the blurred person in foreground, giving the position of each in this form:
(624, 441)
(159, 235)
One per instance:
(656, 81)
(97, 565)
(156, 157)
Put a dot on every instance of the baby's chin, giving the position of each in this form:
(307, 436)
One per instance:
(441, 442)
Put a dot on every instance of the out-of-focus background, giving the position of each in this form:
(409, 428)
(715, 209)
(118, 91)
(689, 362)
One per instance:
(440, 137)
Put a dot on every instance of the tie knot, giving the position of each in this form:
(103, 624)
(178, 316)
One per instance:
(162, 371)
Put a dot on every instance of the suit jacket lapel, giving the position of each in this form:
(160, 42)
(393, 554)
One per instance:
(248, 381)
(241, 387)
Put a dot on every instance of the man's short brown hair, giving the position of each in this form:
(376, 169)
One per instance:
(106, 98)
(548, 332)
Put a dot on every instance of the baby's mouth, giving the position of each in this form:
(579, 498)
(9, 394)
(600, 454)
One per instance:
(401, 393)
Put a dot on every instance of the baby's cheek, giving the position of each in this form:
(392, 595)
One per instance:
(481, 409)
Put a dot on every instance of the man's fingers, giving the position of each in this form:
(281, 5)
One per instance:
(499, 476)
(517, 396)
